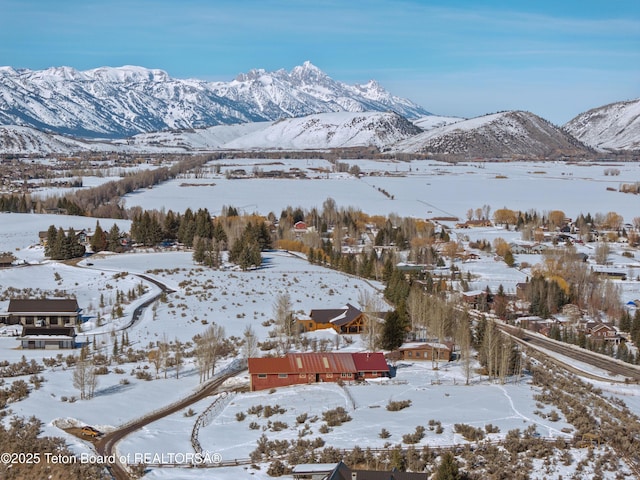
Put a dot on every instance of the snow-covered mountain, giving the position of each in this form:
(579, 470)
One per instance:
(504, 134)
(120, 102)
(612, 127)
(318, 131)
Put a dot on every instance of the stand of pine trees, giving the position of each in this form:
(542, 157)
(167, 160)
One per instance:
(62, 245)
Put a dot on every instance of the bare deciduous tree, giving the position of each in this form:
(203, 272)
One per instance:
(208, 348)
(250, 342)
(371, 305)
(283, 316)
(85, 378)
(178, 355)
(601, 253)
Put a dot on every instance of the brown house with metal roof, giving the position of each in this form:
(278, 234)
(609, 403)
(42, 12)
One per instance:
(348, 319)
(304, 368)
(46, 312)
(426, 351)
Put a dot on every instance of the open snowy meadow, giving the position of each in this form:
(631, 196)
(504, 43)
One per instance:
(420, 188)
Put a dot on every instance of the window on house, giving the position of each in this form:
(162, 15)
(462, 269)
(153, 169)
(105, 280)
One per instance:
(410, 354)
(346, 375)
(283, 375)
(329, 375)
(262, 375)
(303, 375)
(417, 354)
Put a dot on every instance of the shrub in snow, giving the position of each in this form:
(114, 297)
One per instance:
(394, 406)
(336, 417)
(414, 437)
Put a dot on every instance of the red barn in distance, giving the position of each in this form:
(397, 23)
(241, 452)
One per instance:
(305, 368)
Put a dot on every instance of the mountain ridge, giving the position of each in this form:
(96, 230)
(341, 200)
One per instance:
(118, 102)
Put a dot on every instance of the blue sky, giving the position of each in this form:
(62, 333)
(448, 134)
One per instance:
(464, 58)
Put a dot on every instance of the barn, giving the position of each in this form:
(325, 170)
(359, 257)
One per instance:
(305, 368)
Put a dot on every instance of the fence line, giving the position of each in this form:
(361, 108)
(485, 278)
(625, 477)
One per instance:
(205, 417)
(235, 366)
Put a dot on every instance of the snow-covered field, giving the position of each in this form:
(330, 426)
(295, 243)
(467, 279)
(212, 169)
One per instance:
(420, 188)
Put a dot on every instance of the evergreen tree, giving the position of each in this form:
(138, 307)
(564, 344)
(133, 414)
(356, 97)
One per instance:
(509, 259)
(448, 468)
(171, 225)
(500, 303)
(203, 224)
(625, 321)
(219, 234)
(99, 239)
(52, 233)
(187, 229)
(635, 328)
(113, 239)
(199, 250)
(393, 330)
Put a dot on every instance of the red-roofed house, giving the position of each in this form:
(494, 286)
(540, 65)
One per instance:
(303, 368)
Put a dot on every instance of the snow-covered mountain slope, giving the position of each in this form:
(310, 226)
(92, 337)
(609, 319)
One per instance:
(124, 101)
(26, 140)
(612, 127)
(504, 134)
(210, 138)
(433, 121)
(329, 130)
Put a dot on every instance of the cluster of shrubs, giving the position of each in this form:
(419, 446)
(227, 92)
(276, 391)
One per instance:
(19, 368)
(414, 437)
(469, 432)
(17, 391)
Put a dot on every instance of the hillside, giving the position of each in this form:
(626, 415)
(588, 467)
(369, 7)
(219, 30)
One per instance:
(329, 130)
(611, 127)
(505, 134)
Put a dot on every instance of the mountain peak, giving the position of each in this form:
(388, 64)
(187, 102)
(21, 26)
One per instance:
(308, 73)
